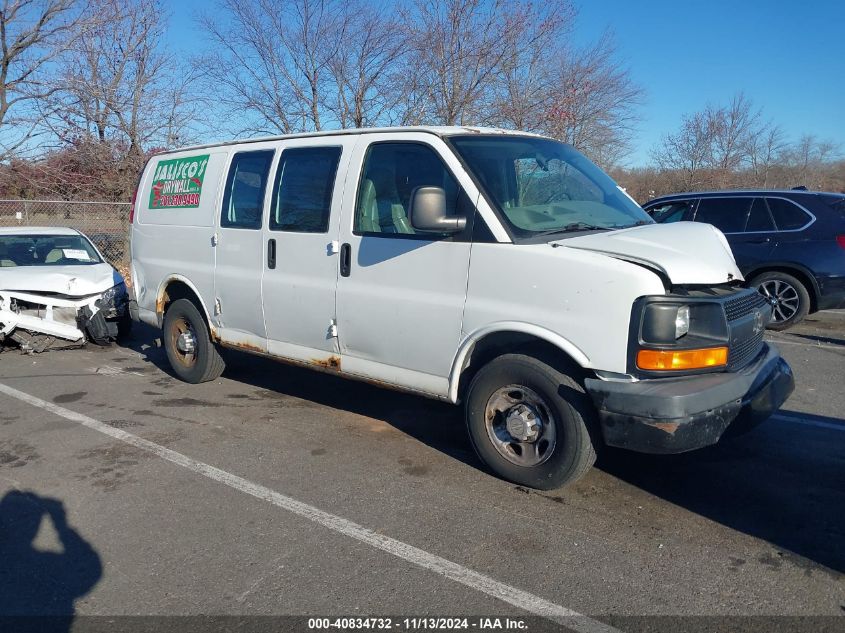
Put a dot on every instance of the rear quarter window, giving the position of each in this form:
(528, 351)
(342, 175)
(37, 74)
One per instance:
(787, 215)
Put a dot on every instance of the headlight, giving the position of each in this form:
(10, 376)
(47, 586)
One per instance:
(679, 333)
(668, 322)
(682, 321)
(114, 293)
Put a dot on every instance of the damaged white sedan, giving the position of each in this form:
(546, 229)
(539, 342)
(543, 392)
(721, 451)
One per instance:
(56, 290)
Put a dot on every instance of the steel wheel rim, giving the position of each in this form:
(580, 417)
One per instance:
(510, 402)
(178, 328)
(784, 297)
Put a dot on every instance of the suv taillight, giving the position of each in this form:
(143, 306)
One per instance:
(840, 239)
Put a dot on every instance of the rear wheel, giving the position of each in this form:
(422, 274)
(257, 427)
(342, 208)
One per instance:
(789, 297)
(192, 355)
(530, 422)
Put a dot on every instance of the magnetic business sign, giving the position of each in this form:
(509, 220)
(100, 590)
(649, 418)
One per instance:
(177, 183)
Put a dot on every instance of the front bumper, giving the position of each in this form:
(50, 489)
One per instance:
(674, 415)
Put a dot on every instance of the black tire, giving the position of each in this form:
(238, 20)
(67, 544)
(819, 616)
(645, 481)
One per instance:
(793, 294)
(563, 398)
(204, 363)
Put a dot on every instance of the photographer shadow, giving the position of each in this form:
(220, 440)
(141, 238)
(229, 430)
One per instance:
(38, 588)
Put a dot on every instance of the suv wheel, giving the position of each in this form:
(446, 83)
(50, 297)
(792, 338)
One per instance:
(790, 297)
(192, 355)
(529, 422)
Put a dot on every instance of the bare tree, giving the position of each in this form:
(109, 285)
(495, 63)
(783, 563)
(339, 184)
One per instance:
(275, 59)
(363, 68)
(592, 102)
(524, 90)
(33, 33)
(463, 48)
(765, 149)
(733, 126)
(689, 151)
(120, 85)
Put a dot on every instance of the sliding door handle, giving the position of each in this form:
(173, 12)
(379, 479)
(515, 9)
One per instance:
(271, 253)
(345, 259)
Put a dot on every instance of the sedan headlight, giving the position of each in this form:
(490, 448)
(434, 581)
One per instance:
(113, 295)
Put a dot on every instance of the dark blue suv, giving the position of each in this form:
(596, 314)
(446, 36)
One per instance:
(790, 245)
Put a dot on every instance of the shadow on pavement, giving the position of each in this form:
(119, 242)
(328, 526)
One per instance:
(437, 424)
(827, 340)
(782, 483)
(41, 583)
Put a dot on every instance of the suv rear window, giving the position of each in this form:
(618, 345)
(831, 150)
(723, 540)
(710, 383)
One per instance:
(787, 215)
(729, 215)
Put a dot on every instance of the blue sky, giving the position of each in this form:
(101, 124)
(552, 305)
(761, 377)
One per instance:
(787, 57)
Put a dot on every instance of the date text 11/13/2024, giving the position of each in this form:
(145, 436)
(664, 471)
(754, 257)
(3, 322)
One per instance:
(417, 623)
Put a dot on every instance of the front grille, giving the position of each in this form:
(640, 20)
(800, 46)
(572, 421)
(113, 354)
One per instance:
(742, 352)
(744, 305)
(746, 343)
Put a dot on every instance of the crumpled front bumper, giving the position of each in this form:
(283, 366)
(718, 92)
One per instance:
(674, 415)
(60, 317)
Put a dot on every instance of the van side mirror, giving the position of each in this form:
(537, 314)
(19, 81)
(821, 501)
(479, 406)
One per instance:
(427, 212)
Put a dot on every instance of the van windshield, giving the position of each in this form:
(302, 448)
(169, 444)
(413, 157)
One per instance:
(544, 187)
(46, 250)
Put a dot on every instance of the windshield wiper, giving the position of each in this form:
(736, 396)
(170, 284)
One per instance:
(637, 223)
(575, 226)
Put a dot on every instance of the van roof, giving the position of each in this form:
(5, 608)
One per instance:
(438, 130)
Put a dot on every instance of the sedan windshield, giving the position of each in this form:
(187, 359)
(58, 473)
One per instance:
(543, 187)
(46, 250)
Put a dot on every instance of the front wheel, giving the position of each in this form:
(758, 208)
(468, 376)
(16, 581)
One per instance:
(530, 422)
(192, 355)
(789, 297)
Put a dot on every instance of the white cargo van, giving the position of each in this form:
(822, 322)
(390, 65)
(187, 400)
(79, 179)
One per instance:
(501, 270)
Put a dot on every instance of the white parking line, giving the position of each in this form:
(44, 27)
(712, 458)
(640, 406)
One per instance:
(784, 417)
(453, 571)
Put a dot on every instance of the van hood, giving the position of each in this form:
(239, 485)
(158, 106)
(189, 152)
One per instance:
(73, 281)
(685, 252)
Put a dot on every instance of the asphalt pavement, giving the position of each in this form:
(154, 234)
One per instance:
(279, 491)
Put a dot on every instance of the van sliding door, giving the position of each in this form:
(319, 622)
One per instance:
(301, 249)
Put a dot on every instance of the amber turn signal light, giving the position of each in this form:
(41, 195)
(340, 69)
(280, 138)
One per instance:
(654, 359)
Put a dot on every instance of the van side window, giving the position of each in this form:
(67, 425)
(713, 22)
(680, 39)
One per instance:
(302, 193)
(729, 215)
(788, 216)
(244, 198)
(391, 173)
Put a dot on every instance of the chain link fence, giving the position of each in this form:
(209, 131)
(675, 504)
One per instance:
(105, 223)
